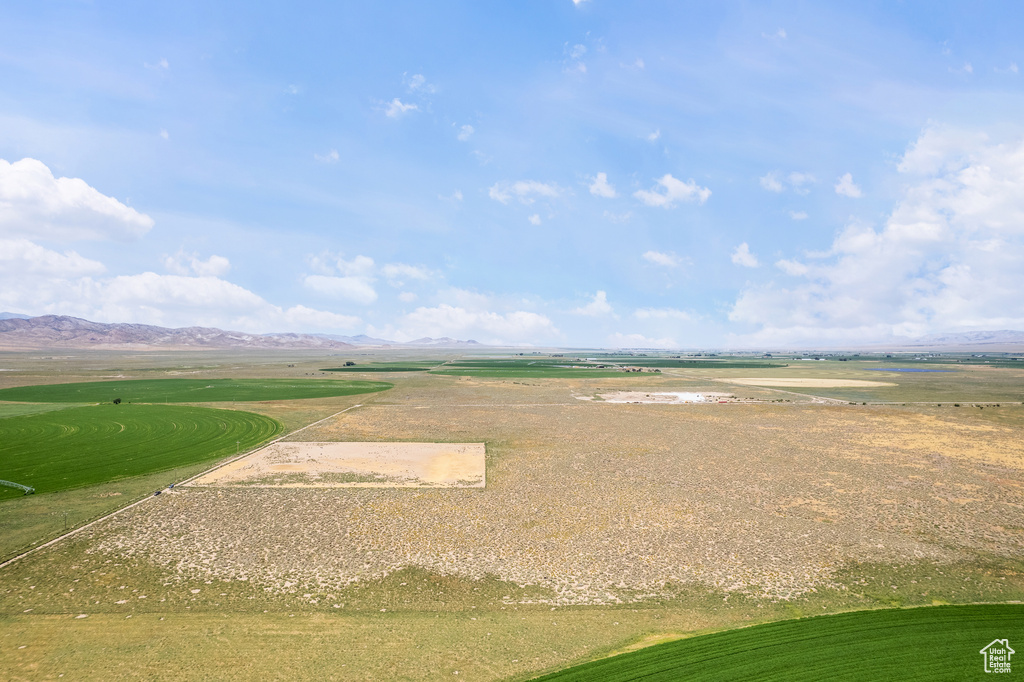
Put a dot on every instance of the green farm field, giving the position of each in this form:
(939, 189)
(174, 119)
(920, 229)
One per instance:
(931, 643)
(63, 449)
(603, 529)
(190, 390)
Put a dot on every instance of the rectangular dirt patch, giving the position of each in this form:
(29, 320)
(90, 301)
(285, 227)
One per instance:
(355, 465)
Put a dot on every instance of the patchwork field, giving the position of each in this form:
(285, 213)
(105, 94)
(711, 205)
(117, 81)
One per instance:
(602, 526)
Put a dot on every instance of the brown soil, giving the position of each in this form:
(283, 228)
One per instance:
(355, 465)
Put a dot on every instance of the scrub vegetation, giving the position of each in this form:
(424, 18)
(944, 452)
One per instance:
(603, 528)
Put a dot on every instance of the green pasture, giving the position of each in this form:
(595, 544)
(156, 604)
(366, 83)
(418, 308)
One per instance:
(81, 446)
(191, 390)
(929, 643)
(527, 367)
(384, 367)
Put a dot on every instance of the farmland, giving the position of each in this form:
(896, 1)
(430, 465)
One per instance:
(850, 646)
(58, 450)
(190, 390)
(603, 526)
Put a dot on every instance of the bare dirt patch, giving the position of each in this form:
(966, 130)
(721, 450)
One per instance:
(807, 382)
(355, 465)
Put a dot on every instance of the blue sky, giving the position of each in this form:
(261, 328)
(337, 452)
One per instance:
(551, 173)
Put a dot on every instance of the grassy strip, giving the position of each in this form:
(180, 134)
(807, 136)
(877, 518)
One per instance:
(931, 643)
(82, 446)
(190, 390)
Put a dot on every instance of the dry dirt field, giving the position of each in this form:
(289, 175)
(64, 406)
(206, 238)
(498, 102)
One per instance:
(605, 504)
(355, 465)
(634, 521)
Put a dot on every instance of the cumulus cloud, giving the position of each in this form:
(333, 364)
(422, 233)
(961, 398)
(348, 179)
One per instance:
(947, 258)
(600, 187)
(668, 260)
(36, 205)
(20, 258)
(466, 132)
(798, 215)
(468, 321)
(654, 136)
(742, 256)
(846, 187)
(671, 191)
(797, 181)
(183, 263)
(396, 109)
(598, 307)
(534, 219)
(355, 289)
(526, 191)
(407, 297)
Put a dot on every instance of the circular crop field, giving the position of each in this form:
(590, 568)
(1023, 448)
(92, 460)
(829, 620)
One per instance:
(81, 446)
(191, 390)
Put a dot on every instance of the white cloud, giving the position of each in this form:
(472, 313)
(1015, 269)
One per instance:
(966, 68)
(1012, 68)
(654, 136)
(293, 89)
(418, 83)
(771, 182)
(579, 2)
(662, 314)
(183, 263)
(791, 267)
(526, 191)
(20, 258)
(797, 181)
(164, 134)
(534, 219)
(395, 108)
(466, 132)
(948, 258)
(482, 325)
(598, 307)
(398, 274)
(35, 204)
(742, 256)
(673, 190)
(351, 280)
(847, 188)
(619, 340)
(355, 289)
(330, 157)
(618, 217)
(161, 65)
(407, 297)
(601, 188)
(668, 260)
(778, 35)
(798, 215)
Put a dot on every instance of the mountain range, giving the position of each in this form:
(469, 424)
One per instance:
(61, 331)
